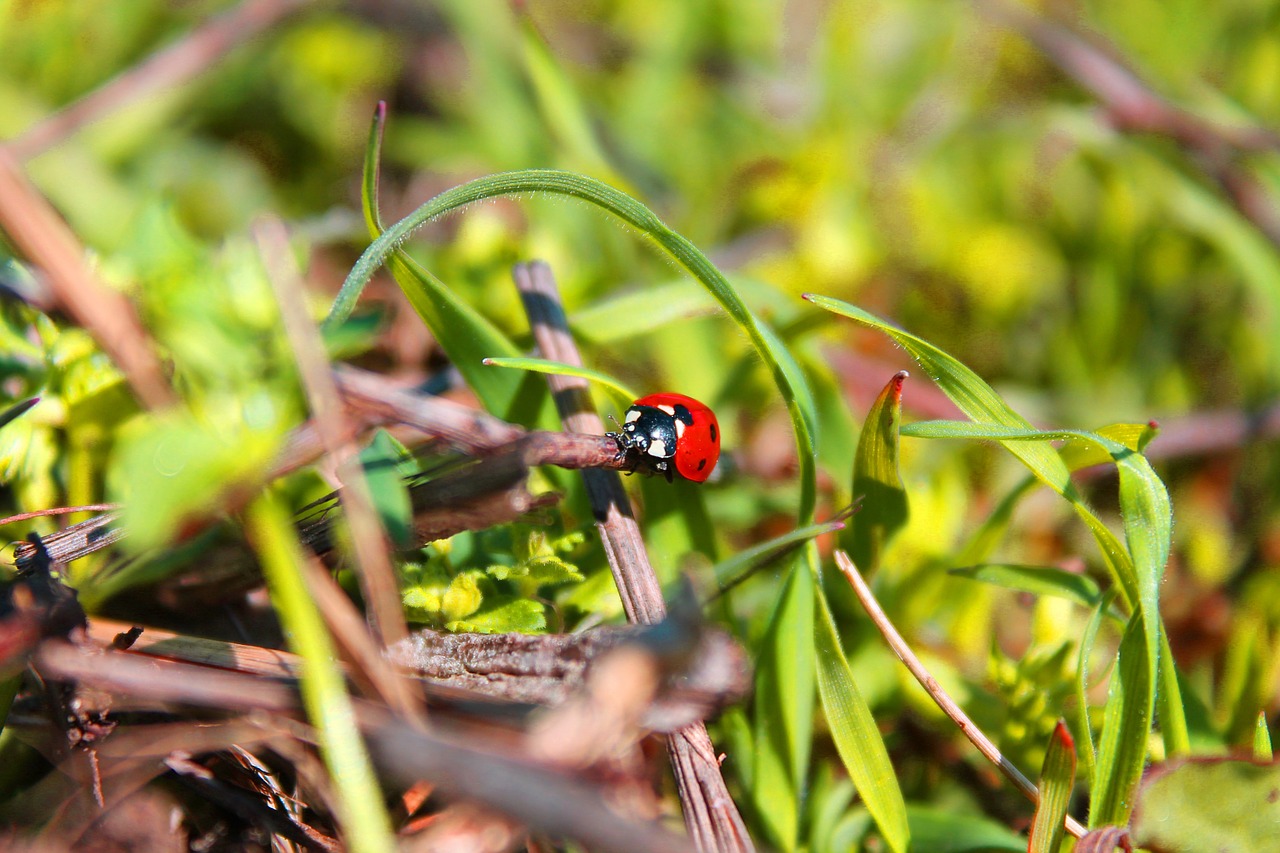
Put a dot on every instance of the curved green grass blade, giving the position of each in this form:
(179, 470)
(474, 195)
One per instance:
(556, 368)
(786, 373)
(980, 402)
(1037, 580)
(876, 480)
(1144, 502)
(736, 569)
(1136, 569)
(855, 733)
(1057, 777)
(465, 335)
(324, 692)
(1148, 520)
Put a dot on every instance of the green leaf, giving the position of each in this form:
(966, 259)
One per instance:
(556, 368)
(1133, 436)
(465, 335)
(876, 480)
(783, 708)
(1126, 724)
(855, 733)
(742, 564)
(639, 312)
(1137, 569)
(981, 403)
(1262, 739)
(1057, 777)
(324, 694)
(1084, 732)
(1209, 805)
(1037, 580)
(386, 463)
(938, 831)
(503, 615)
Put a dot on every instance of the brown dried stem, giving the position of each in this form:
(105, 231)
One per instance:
(935, 691)
(37, 229)
(526, 791)
(710, 814)
(372, 556)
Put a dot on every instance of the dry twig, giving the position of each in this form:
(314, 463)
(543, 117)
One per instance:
(709, 812)
(372, 557)
(37, 229)
(935, 691)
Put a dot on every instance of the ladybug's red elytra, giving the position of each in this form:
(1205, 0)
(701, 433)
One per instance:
(662, 431)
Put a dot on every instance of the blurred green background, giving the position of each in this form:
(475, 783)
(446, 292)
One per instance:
(916, 158)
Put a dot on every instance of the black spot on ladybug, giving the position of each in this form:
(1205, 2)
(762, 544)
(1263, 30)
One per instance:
(702, 463)
(682, 413)
(714, 435)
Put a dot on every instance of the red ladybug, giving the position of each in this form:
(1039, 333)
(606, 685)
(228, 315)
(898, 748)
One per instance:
(662, 429)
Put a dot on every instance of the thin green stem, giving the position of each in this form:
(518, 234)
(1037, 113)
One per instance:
(324, 694)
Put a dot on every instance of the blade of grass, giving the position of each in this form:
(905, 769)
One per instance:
(1136, 571)
(733, 571)
(556, 368)
(783, 708)
(855, 734)
(876, 479)
(1148, 520)
(981, 403)
(1037, 580)
(786, 373)
(1262, 739)
(464, 333)
(1126, 724)
(1057, 777)
(324, 693)
(1088, 753)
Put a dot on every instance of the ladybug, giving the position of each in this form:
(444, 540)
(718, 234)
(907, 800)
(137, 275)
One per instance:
(665, 431)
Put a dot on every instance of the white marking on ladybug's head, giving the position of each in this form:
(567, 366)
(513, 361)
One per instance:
(680, 427)
(658, 448)
(670, 410)
(633, 415)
